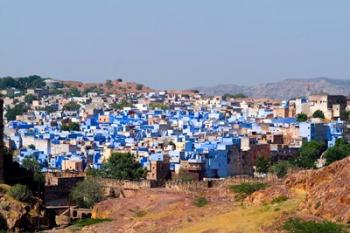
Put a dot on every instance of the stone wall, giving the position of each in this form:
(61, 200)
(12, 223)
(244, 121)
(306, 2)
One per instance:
(186, 186)
(193, 186)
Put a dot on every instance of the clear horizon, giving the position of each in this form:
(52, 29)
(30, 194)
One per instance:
(182, 44)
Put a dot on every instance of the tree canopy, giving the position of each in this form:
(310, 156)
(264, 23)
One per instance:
(340, 151)
(281, 168)
(71, 106)
(301, 117)
(17, 110)
(120, 105)
(262, 165)
(72, 126)
(74, 92)
(121, 166)
(87, 193)
(29, 98)
(309, 153)
(318, 114)
(22, 83)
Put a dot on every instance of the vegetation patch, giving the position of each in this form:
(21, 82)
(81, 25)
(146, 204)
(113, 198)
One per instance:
(90, 221)
(245, 189)
(86, 193)
(20, 192)
(279, 199)
(300, 226)
(138, 212)
(200, 202)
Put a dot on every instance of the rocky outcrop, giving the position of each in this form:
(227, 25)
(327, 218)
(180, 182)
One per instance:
(18, 216)
(327, 189)
(268, 195)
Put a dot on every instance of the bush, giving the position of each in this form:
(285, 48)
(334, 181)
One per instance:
(87, 193)
(281, 168)
(200, 202)
(90, 221)
(138, 212)
(185, 176)
(262, 165)
(299, 226)
(279, 199)
(245, 189)
(20, 192)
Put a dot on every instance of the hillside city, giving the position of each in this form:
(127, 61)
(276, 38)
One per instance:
(142, 139)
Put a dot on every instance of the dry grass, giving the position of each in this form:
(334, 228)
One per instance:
(243, 219)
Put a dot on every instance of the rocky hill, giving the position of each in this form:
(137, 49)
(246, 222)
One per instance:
(288, 88)
(327, 191)
(318, 195)
(110, 87)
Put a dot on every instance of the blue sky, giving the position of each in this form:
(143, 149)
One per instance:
(175, 44)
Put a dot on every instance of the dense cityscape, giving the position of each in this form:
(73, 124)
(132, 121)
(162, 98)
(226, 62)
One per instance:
(64, 134)
(174, 116)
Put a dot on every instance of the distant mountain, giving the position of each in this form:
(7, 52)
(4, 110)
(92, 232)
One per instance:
(285, 89)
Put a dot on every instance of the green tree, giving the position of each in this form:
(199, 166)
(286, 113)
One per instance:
(120, 105)
(318, 114)
(281, 168)
(301, 117)
(31, 164)
(309, 153)
(71, 106)
(17, 110)
(339, 151)
(72, 126)
(121, 166)
(22, 83)
(20, 192)
(29, 98)
(262, 165)
(74, 92)
(158, 106)
(86, 193)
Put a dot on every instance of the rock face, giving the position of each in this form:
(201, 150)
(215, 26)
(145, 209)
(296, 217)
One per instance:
(327, 189)
(267, 195)
(18, 216)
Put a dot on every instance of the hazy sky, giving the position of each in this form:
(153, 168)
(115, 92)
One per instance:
(175, 44)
